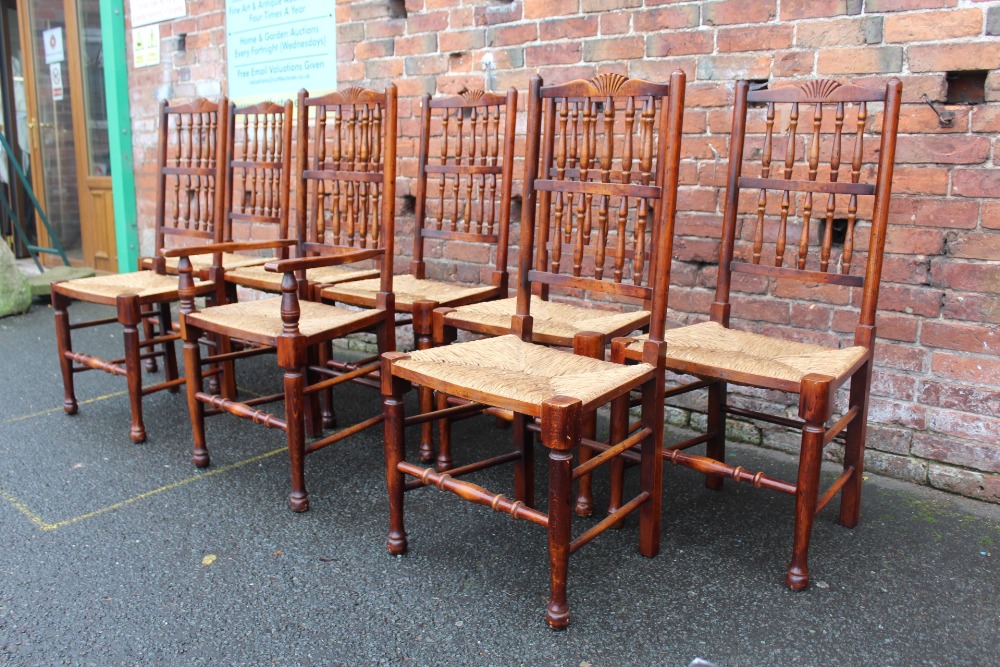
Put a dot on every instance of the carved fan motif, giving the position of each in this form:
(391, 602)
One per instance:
(354, 95)
(608, 84)
(472, 96)
(819, 89)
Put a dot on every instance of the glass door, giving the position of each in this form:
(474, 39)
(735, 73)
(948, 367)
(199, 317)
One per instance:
(63, 64)
(14, 126)
(53, 163)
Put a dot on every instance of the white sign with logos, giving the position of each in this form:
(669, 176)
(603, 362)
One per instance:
(144, 12)
(53, 40)
(276, 47)
(55, 75)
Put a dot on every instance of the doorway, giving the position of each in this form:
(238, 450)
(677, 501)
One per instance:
(53, 51)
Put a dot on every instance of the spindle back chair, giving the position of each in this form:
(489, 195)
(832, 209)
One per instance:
(586, 240)
(189, 187)
(257, 161)
(464, 180)
(823, 170)
(345, 206)
(259, 171)
(558, 388)
(255, 211)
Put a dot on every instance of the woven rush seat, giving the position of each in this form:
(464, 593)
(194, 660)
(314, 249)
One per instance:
(406, 289)
(204, 262)
(552, 323)
(260, 321)
(147, 285)
(507, 372)
(711, 345)
(259, 277)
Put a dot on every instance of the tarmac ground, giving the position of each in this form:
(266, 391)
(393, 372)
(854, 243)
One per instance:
(122, 554)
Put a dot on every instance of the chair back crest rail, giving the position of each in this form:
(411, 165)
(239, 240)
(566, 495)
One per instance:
(346, 166)
(464, 182)
(805, 172)
(259, 162)
(607, 149)
(191, 178)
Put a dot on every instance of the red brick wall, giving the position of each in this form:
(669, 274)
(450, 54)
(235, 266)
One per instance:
(935, 417)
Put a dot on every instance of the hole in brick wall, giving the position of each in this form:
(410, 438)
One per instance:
(409, 205)
(757, 84)
(839, 231)
(968, 87)
(515, 208)
(397, 9)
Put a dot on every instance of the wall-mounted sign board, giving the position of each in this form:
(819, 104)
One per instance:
(146, 45)
(144, 12)
(276, 47)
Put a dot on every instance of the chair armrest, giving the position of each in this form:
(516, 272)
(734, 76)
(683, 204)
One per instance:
(341, 257)
(230, 246)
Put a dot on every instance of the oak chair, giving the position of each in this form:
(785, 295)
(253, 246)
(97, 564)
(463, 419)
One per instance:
(255, 276)
(257, 156)
(621, 258)
(255, 210)
(348, 201)
(829, 174)
(467, 205)
(589, 329)
(258, 162)
(189, 187)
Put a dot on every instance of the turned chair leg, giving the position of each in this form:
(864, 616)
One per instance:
(815, 409)
(227, 369)
(651, 467)
(444, 460)
(524, 468)
(194, 383)
(443, 335)
(617, 432)
(130, 316)
(423, 338)
(854, 450)
(561, 432)
(298, 499)
(149, 332)
(169, 352)
(328, 415)
(715, 448)
(395, 452)
(313, 419)
(587, 344)
(806, 492)
(60, 303)
(426, 401)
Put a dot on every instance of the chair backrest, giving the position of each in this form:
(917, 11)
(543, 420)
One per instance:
(190, 176)
(809, 141)
(346, 194)
(602, 161)
(464, 177)
(259, 172)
